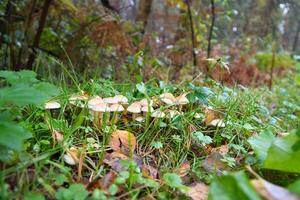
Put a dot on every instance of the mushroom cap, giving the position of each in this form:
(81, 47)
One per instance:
(135, 107)
(173, 113)
(78, 100)
(100, 107)
(110, 100)
(158, 114)
(167, 98)
(116, 108)
(94, 101)
(52, 105)
(121, 99)
(218, 123)
(144, 102)
(181, 100)
(139, 119)
(145, 109)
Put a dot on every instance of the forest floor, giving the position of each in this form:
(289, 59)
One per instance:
(225, 143)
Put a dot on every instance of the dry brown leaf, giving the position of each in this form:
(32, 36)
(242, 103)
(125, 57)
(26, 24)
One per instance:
(149, 171)
(123, 142)
(270, 191)
(223, 149)
(57, 136)
(210, 115)
(198, 191)
(183, 170)
(213, 163)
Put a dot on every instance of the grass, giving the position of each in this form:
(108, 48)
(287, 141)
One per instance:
(164, 144)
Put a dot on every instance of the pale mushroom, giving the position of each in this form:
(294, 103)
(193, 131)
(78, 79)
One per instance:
(121, 99)
(147, 109)
(52, 105)
(146, 102)
(181, 100)
(135, 109)
(71, 156)
(218, 123)
(172, 113)
(139, 119)
(167, 98)
(116, 108)
(98, 111)
(110, 100)
(158, 114)
(95, 100)
(78, 100)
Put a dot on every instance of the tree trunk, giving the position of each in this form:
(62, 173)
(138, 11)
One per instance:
(144, 11)
(39, 33)
(213, 17)
(296, 38)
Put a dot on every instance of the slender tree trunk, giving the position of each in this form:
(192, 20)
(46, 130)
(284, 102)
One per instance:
(296, 38)
(272, 64)
(27, 25)
(192, 36)
(213, 18)
(144, 10)
(38, 35)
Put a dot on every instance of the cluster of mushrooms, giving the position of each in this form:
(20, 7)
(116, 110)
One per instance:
(110, 108)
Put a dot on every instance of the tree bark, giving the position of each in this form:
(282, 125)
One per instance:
(38, 35)
(192, 36)
(144, 11)
(295, 43)
(213, 17)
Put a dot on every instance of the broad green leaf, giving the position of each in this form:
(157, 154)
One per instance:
(33, 196)
(172, 180)
(74, 192)
(234, 186)
(283, 154)
(21, 77)
(262, 143)
(12, 135)
(295, 187)
(141, 88)
(197, 135)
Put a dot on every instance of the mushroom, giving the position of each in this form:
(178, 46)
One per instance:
(181, 100)
(121, 99)
(158, 114)
(78, 100)
(110, 100)
(167, 98)
(146, 102)
(172, 113)
(71, 157)
(139, 119)
(116, 108)
(147, 109)
(98, 111)
(134, 108)
(52, 105)
(95, 100)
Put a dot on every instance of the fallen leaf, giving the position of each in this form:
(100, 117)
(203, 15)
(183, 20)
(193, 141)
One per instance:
(149, 171)
(57, 136)
(71, 157)
(270, 191)
(183, 170)
(210, 115)
(223, 149)
(213, 163)
(198, 191)
(123, 142)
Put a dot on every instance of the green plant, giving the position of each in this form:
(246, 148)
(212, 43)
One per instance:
(20, 89)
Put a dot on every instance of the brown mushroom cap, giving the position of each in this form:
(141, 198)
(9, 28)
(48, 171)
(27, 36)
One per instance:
(52, 105)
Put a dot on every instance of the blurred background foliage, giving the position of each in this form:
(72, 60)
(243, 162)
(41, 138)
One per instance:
(138, 40)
